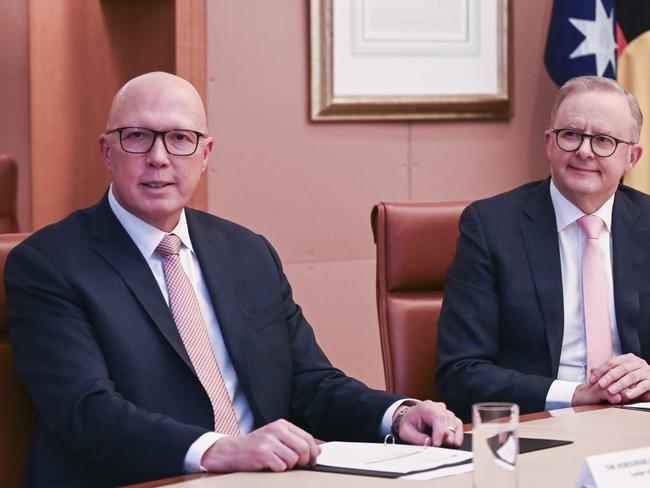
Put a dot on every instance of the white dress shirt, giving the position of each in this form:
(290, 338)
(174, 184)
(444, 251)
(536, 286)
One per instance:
(573, 358)
(146, 238)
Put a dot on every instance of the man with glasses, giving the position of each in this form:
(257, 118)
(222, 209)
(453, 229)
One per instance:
(547, 302)
(155, 339)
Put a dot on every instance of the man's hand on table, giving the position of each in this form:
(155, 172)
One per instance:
(278, 446)
(430, 422)
(627, 376)
(620, 379)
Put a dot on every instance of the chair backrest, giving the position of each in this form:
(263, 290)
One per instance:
(15, 406)
(8, 183)
(416, 243)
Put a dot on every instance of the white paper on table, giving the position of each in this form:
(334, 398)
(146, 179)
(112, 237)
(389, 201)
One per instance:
(392, 458)
(644, 405)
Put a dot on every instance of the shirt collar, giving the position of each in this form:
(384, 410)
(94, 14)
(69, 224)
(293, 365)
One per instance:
(146, 236)
(567, 213)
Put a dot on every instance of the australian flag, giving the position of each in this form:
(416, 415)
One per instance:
(581, 40)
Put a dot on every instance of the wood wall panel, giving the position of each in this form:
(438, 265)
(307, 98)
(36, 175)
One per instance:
(14, 98)
(191, 64)
(66, 113)
(81, 52)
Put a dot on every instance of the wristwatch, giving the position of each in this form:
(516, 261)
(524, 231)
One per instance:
(394, 427)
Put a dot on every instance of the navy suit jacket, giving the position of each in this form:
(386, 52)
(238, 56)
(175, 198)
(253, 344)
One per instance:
(115, 396)
(502, 319)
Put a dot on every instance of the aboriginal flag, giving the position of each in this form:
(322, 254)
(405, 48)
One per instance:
(633, 37)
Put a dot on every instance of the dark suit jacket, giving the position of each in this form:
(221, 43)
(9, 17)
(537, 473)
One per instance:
(502, 320)
(116, 398)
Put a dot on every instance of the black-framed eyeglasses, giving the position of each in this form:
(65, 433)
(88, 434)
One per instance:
(602, 145)
(140, 140)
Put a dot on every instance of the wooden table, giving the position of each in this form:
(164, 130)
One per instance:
(594, 430)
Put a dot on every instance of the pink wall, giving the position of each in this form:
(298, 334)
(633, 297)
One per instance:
(309, 187)
(14, 97)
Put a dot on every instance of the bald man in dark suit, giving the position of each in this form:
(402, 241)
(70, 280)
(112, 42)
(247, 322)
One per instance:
(118, 392)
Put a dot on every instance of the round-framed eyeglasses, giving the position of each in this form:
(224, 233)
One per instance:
(602, 145)
(140, 140)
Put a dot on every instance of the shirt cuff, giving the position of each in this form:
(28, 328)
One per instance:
(387, 419)
(560, 394)
(192, 461)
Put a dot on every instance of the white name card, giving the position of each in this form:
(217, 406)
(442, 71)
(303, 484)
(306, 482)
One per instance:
(630, 469)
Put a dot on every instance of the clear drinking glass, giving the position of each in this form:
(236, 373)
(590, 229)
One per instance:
(495, 444)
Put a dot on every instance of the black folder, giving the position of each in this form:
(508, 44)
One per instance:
(526, 444)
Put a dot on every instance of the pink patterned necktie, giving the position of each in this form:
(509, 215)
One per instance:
(594, 293)
(191, 326)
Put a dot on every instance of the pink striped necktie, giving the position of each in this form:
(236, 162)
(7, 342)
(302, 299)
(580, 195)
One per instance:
(594, 293)
(191, 326)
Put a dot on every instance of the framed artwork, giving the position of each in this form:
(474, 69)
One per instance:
(409, 59)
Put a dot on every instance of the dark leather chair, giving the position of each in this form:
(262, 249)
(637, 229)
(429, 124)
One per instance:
(15, 406)
(8, 183)
(416, 243)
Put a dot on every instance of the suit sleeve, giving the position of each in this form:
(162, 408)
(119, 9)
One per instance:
(59, 357)
(324, 400)
(472, 328)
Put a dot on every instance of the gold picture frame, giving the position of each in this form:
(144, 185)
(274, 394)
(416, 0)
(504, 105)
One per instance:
(328, 105)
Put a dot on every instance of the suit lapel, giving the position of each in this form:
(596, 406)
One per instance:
(629, 241)
(214, 254)
(116, 247)
(539, 232)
